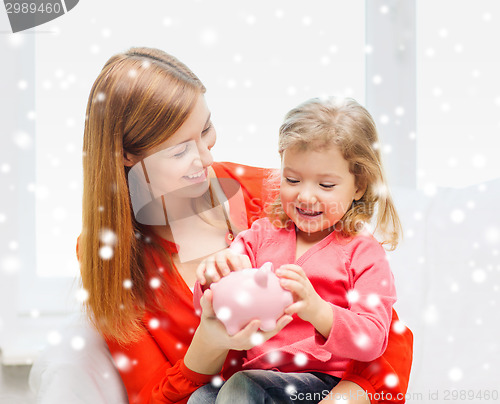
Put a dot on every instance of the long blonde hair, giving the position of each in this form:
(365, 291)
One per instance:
(319, 123)
(140, 98)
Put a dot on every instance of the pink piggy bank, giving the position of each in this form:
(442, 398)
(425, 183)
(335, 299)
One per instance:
(250, 294)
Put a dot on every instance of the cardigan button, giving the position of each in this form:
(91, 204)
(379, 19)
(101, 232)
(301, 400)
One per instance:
(229, 238)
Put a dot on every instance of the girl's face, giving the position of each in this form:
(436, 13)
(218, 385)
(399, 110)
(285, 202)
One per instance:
(178, 167)
(317, 188)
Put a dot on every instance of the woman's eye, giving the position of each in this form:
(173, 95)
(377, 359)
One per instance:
(207, 129)
(327, 186)
(182, 152)
(291, 181)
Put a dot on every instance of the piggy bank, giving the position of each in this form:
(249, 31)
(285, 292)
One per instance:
(250, 294)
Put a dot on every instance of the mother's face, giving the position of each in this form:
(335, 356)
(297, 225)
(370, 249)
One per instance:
(178, 166)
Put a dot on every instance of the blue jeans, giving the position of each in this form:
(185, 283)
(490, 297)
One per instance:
(266, 387)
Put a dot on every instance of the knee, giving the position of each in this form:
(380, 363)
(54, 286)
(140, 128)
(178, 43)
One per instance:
(240, 385)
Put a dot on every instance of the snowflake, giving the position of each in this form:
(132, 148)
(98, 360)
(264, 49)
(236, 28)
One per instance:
(290, 389)
(250, 20)
(154, 323)
(307, 21)
(82, 295)
(274, 357)
(244, 298)
(431, 315)
(457, 216)
(23, 140)
(391, 380)
(155, 283)
(377, 79)
(77, 343)
(11, 264)
(54, 338)
(479, 276)
(209, 37)
(106, 252)
(384, 9)
(492, 235)
(257, 338)
(373, 300)
(300, 359)
(398, 327)
(100, 97)
(224, 313)
(217, 381)
(353, 296)
(455, 374)
(127, 284)
(479, 161)
(107, 237)
(122, 362)
(362, 341)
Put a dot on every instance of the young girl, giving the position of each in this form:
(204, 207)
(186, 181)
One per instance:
(332, 184)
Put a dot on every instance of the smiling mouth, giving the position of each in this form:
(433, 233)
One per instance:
(308, 213)
(200, 175)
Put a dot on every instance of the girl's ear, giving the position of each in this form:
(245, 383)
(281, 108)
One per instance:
(360, 191)
(129, 159)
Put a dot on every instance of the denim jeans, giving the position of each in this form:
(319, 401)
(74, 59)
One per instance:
(266, 387)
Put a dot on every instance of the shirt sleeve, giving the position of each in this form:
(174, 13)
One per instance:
(361, 331)
(148, 375)
(395, 364)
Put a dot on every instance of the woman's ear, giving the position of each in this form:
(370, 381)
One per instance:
(129, 159)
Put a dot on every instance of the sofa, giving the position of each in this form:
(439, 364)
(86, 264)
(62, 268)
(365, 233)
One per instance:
(447, 271)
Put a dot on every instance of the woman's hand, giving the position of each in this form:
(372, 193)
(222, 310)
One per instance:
(308, 305)
(216, 335)
(220, 264)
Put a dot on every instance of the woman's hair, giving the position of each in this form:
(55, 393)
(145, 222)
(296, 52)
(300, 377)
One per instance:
(140, 98)
(320, 123)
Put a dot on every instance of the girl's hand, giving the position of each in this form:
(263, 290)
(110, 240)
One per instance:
(220, 264)
(216, 336)
(307, 303)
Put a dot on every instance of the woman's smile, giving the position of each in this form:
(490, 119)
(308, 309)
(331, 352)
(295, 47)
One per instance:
(196, 177)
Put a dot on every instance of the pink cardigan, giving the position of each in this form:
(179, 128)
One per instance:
(352, 274)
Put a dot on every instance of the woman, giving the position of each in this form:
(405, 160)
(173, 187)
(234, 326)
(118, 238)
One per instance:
(155, 204)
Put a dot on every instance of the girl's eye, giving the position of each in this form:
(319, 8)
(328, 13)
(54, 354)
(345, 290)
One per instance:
(327, 186)
(291, 181)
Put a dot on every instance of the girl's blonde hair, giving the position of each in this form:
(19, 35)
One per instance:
(140, 98)
(320, 123)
